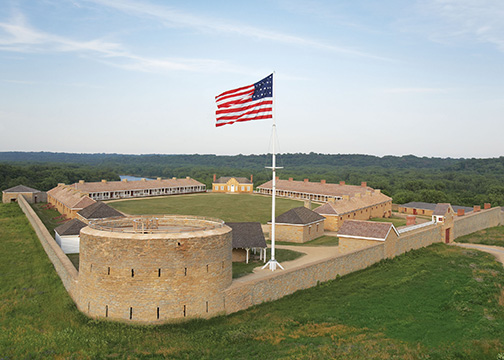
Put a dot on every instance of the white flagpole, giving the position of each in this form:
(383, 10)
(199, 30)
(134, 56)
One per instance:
(272, 263)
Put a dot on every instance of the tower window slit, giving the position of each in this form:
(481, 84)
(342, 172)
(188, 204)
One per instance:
(158, 313)
(131, 313)
(132, 272)
(106, 311)
(159, 274)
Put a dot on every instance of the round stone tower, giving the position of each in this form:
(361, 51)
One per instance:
(154, 268)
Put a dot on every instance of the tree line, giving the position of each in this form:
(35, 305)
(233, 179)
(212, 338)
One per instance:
(404, 178)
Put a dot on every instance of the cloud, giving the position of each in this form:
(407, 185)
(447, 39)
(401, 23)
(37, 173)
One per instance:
(174, 17)
(18, 36)
(462, 20)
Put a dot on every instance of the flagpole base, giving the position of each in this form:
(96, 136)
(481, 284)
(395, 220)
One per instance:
(273, 265)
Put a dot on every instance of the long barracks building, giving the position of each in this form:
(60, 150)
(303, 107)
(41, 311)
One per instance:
(315, 191)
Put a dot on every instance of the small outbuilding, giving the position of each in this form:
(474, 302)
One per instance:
(299, 225)
(31, 195)
(97, 211)
(247, 236)
(68, 236)
(369, 233)
(443, 214)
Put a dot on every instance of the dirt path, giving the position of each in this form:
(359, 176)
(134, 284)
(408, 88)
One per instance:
(497, 251)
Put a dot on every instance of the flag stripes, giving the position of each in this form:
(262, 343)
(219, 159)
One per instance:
(253, 102)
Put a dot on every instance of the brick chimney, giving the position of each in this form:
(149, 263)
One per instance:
(487, 206)
(346, 197)
(81, 181)
(305, 180)
(104, 181)
(187, 177)
(460, 212)
(342, 183)
(214, 177)
(357, 195)
(174, 178)
(143, 179)
(378, 191)
(322, 182)
(476, 208)
(158, 179)
(251, 178)
(363, 184)
(410, 220)
(277, 178)
(291, 179)
(307, 203)
(124, 180)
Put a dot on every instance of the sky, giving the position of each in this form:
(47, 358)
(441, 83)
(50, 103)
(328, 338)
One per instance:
(389, 77)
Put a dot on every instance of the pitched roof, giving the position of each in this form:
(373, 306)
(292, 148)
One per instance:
(355, 203)
(21, 189)
(90, 187)
(247, 235)
(442, 209)
(225, 179)
(316, 187)
(369, 230)
(99, 210)
(431, 206)
(299, 215)
(72, 227)
(70, 197)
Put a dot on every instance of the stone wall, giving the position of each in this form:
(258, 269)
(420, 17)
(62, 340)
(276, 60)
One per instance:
(154, 277)
(64, 267)
(298, 233)
(476, 221)
(242, 295)
(419, 238)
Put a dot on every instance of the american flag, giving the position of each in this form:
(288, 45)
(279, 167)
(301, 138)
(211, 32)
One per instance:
(253, 102)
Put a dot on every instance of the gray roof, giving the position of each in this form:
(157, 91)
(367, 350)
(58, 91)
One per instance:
(247, 235)
(366, 229)
(21, 189)
(225, 179)
(72, 227)
(99, 210)
(430, 206)
(441, 209)
(299, 215)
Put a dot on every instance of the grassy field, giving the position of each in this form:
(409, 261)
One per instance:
(228, 207)
(441, 302)
(397, 221)
(47, 216)
(491, 236)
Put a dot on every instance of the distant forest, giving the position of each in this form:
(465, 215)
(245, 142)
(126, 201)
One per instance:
(406, 178)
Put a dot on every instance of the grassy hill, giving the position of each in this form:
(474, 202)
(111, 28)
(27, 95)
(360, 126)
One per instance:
(440, 302)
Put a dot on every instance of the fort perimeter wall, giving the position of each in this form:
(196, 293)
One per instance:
(64, 267)
(243, 293)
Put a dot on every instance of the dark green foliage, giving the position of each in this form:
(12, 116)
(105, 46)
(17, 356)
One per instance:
(408, 178)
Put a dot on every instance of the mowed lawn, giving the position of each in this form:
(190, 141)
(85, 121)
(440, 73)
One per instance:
(228, 207)
(441, 302)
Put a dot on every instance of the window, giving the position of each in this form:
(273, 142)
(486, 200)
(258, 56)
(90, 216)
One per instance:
(222, 187)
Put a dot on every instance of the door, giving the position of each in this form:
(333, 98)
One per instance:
(447, 236)
(232, 188)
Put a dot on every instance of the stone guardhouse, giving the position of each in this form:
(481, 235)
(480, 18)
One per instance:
(31, 195)
(298, 225)
(229, 184)
(443, 214)
(247, 236)
(368, 233)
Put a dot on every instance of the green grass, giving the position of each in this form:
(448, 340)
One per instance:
(491, 236)
(241, 268)
(397, 221)
(441, 302)
(47, 216)
(228, 207)
(324, 240)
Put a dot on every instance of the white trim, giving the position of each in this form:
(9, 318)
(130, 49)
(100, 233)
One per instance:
(361, 237)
